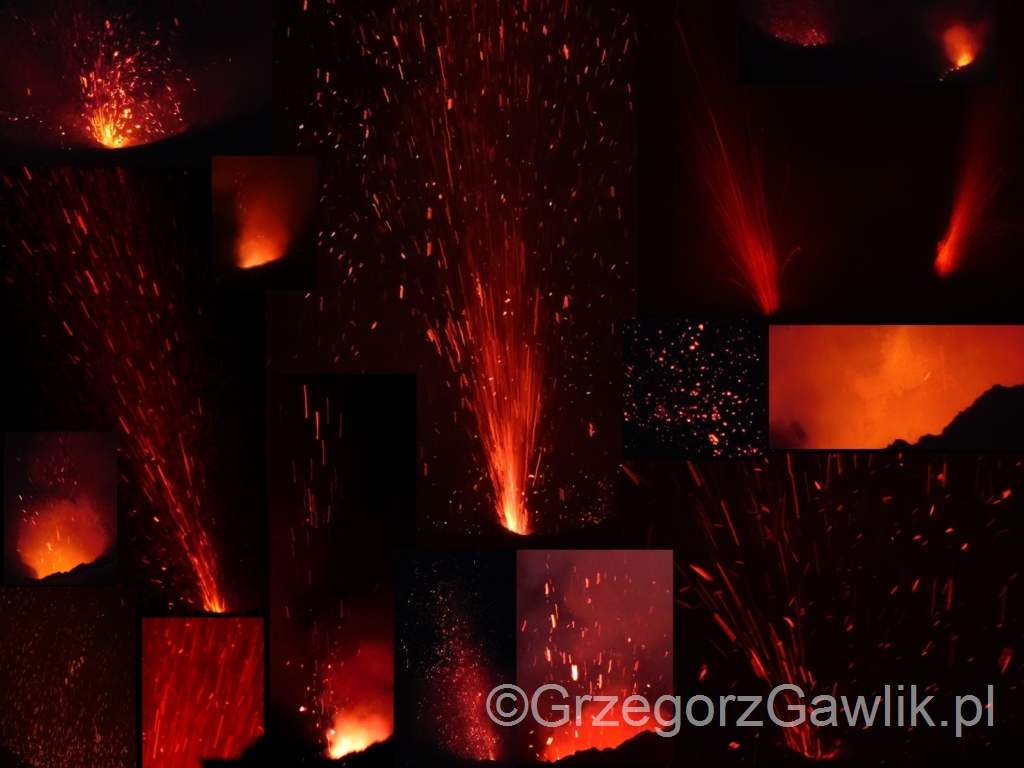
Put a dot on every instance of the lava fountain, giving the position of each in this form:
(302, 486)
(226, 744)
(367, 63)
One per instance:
(126, 87)
(108, 262)
(728, 163)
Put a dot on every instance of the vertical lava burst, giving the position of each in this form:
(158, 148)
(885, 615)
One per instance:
(126, 85)
(726, 156)
(480, 161)
(67, 676)
(272, 199)
(983, 168)
(494, 335)
(98, 264)
(202, 689)
(333, 472)
(598, 623)
(62, 501)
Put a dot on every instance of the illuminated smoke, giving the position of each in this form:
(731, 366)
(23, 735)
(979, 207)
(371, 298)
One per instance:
(273, 198)
(868, 386)
(359, 691)
(67, 676)
(65, 515)
(61, 535)
(728, 162)
(202, 689)
(961, 43)
(451, 639)
(596, 623)
(118, 310)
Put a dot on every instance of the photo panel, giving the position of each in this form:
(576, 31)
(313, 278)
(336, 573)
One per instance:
(341, 497)
(60, 508)
(112, 324)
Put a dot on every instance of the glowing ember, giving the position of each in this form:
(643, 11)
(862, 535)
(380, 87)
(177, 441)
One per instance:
(110, 264)
(128, 97)
(730, 168)
(359, 692)
(67, 665)
(802, 22)
(61, 535)
(332, 649)
(596, 623)
(961, 43)
(202, 689)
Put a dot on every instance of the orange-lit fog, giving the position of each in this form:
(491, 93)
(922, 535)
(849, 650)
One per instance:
(273, 200)
(62, 534)
(962, 44)
(867, 386)
(360, 692)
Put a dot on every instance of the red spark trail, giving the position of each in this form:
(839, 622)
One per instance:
(730, 168)
(989, 149)
(113, 280)
(202, 689)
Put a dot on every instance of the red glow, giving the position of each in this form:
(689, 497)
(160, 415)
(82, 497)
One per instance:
(62, 534)
(202, 690)
(359, 699)
(596, 623)
(982, 170)
(962, 44)
(128, 97)
(273, 198)
(867, 386)
(730, 168)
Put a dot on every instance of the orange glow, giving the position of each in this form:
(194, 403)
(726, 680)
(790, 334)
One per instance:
(61, 535)
(868, 386)
(354, 733)
(359, 694)
(982, 172)
(729, 164)
(961, 44)
(271, 200)
(263, 237)
(495, 344)
(128, 99)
